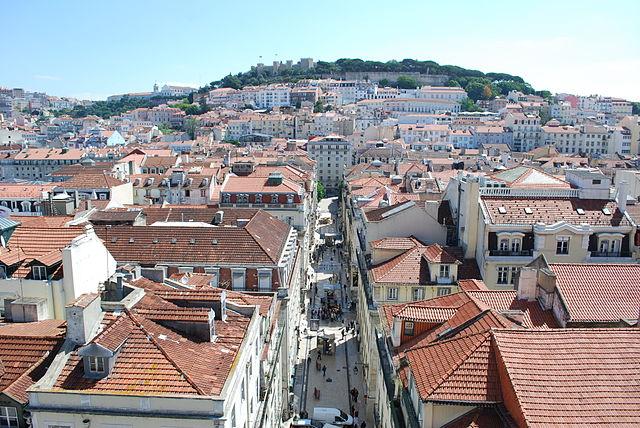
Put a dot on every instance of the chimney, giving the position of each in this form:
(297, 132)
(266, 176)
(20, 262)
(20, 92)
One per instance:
(83, 315)
(526, 283)
(218, 217)
(623, 193)
(396, 332)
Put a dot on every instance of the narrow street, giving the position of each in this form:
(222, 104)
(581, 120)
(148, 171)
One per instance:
(329, 291)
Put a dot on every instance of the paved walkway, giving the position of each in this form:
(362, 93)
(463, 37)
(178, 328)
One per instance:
(340, 377)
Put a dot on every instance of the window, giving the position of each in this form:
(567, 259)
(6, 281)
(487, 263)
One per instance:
(226, 198)
(503, 274)
(408, 328)
(392, 294)
(418, 294)
(259, 198)
(238, 279)
(264, 279)
(96, 364)
(8, 417)
(604, 246)
(39, 273)
(215, 274)
(562, 246)
(516, 244)
(504, 245)
(444, 271)
(514, 270)
(443, 291)
(3, 272)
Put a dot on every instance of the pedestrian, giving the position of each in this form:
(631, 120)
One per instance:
(355, 370)
(363, 424)
(356, 393)
(324, 371)
(355, 413)
(353, 409)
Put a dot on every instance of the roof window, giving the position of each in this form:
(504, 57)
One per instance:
(528, 210)
(502, 210)
(580, 211)
(606, 211)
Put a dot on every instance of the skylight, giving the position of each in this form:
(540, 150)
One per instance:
(606, 211)
(528, 210)
(580, 211)
(502, 210)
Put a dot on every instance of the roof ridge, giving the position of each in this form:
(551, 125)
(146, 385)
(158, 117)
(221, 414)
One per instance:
(153, 340)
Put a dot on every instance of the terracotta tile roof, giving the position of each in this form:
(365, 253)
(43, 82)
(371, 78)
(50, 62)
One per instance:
(528, 178)
(573, 378)
(203, 213)
(42, 221)
(599, 292)
(50, 154)
(159, 162)
(196, 280)
(261, 241)
(411, 267)
(552, 210)
(507, 300)
(462, 369)
(396, 243)
(37, 241)
(425, 314)
(25, 348)
(235, 184)
(480, 417)
(25, 190)
(115, 215)
(472, 285)
(90, 181)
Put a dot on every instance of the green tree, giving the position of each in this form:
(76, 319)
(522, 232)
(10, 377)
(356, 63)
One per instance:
(407, 82)
(487, 93)
(468, 105)
(318, 107)
(635, 107)
(384, 83)
(190, 127)
(475, 90)
(231, 81)
(320, 190)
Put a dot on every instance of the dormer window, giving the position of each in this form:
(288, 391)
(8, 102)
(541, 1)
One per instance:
(259, 198)
(289, 199)
(444, 271)
(97, 365)
(39, 273)
(226, 198)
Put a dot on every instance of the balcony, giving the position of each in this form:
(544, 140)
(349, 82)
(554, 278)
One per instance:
(612, 254)
(506, 253)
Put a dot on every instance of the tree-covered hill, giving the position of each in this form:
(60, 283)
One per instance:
(479, 85)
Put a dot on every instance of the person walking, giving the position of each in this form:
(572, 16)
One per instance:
(363, 424)
(355, 370)
(324, 371)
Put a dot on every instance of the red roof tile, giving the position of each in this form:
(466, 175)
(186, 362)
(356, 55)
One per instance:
(572, 378)
(507, 300)
(599, 292)
(411, 267)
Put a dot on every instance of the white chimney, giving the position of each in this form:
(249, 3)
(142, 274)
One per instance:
(396, 332)
(623, 193)
(527, 283)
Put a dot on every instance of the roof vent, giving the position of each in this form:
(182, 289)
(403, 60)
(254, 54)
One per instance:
(502, 210)
(528, 210)
(192, 241)
(580, 211)
(214, 242)
(155, 240)
(114, 239)
(606, 211)
(131, 241)
(174, 240)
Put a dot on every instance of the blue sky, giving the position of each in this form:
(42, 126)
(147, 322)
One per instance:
(93, 49)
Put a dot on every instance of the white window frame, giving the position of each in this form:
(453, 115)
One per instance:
(8, 414)
(445, 271)
(235, 271)
(265, 273)
(562, 245)
(443, 291)
(406, 328)
(39, 272)
(503, 244)
(392, 293)
(418, 293)
(503, 275)
(95, 364)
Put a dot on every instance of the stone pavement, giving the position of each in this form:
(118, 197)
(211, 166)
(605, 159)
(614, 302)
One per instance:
(340, 367)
